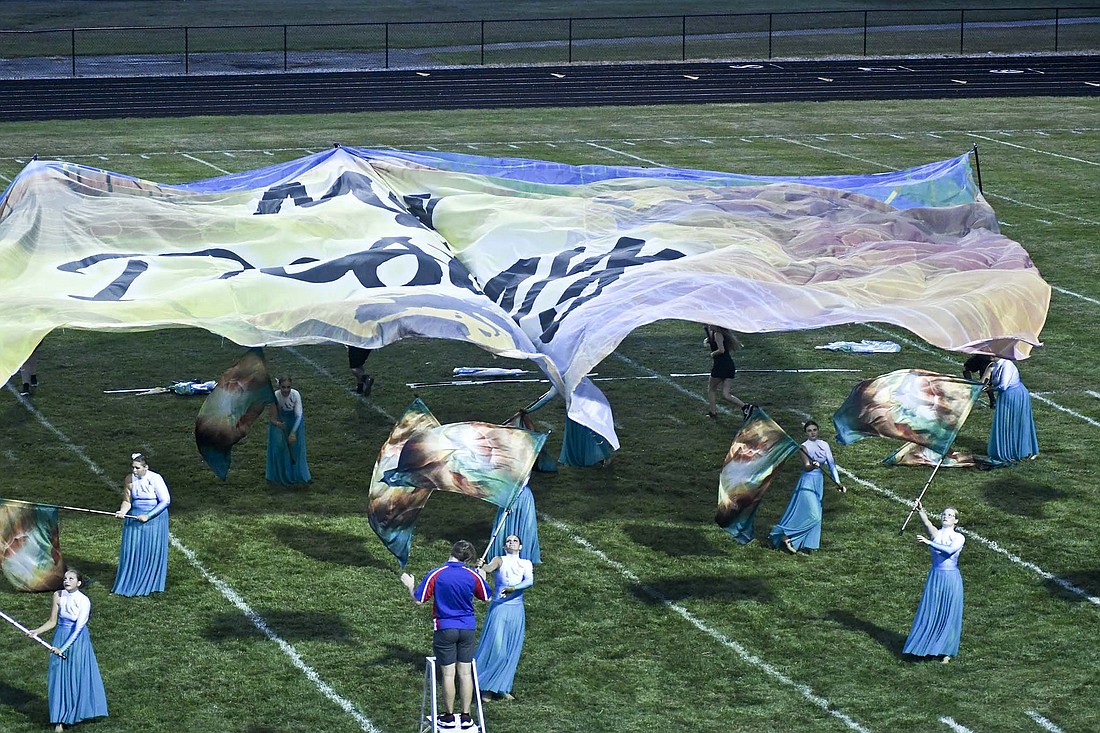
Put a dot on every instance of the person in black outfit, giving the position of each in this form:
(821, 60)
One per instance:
(357, 359)
(974, 369)
(721, 342)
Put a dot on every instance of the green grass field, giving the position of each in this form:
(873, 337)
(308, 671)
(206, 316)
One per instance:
(644, 614)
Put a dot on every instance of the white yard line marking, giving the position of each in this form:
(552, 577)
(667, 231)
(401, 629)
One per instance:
(988, 543)
(1034, 150)
(205, 162)
(1043, 722)
(224, 588)
(1090, 393)
(950, 723)
(625, 154)
(749, 658)
(2, 176)
(1075, 295)
(332, 377)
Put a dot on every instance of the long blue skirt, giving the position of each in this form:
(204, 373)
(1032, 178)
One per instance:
(500, 645)
(1012, 437)
(74, 683)
(801, 522)
(938, 623)
(143, 556)
(286, 465)
(523, 523)
(582, 446)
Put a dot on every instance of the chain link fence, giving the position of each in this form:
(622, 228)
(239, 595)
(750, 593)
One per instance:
(160, 51)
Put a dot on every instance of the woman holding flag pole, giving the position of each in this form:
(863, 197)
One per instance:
(286, 437)
(800, 526)
(75, 686)
(498, 651)
(143, 555)
(937, 626)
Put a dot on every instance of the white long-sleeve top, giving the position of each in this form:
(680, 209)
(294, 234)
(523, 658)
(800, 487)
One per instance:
(75, 607)
(150, 487)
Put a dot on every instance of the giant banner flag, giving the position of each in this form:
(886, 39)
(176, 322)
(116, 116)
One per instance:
(525, 259)
(31, 545)
(758, 449)
(913, 405)
(242, 394)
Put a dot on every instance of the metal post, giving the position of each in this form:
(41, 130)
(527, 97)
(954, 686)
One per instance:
(683, 37)
(570, 40)
(864, 32)
(962, 30)
(284, 49)
(483, 43)
(769, 35)
(186, 50)
(1057, 14)
(72, 50)
(387, 45)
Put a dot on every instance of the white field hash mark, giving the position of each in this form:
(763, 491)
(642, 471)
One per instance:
(749, 658)
(1043, 723)
(224, 588)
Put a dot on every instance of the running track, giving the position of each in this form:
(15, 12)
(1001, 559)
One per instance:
(551, 86)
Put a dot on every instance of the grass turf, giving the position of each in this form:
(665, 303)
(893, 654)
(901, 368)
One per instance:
(660, 620)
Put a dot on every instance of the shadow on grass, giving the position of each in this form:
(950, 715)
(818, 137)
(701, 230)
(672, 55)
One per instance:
(1019, 496)
(32, 705)
(891, 640)
(290, 625)
(265, 729)
(1086, 580)
(340, 548)
(713, 587)
(674, 541)
(399, 655)
(94, 572)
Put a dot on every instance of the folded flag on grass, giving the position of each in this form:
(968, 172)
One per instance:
(30, 539)
(912, 454)
(758, 449)
(913, 405)
(227, 415)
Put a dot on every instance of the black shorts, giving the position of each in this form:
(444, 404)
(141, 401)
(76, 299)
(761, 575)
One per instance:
(357, 357)
(454, 645)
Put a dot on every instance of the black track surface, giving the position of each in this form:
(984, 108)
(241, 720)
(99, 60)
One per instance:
(547, 86)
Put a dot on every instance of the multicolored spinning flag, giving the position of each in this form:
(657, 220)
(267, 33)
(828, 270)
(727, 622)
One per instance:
(912, 454)
(482, 460)
(913, 405)
(227, 415)
(393, 509)
(758, 449)
(31, 544)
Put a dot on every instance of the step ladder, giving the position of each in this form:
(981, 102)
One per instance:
(429, 701)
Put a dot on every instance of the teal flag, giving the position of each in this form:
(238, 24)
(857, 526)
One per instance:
(31, 545)
(243, 393)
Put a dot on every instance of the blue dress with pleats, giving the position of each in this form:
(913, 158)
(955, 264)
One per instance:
(937, 627)
(143, 555)
(75, 687)
(286, 464)
(502, 635)
(801, 521)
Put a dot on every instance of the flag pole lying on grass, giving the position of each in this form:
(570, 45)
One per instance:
(27, 632)
(70, 508)
(531, 380)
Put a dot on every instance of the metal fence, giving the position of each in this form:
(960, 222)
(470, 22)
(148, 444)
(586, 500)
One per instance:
(159, 51)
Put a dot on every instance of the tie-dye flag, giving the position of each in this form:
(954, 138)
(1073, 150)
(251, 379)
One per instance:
(912, 454)
(545, 463)
(393, 510)
(482, 460)
(526, 259)
(758, 449)
(227, 415)
(913, 405)
(30, 538)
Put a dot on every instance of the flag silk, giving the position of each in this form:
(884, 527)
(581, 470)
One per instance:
(758, 449)
(482, 460)
(393, 510)
(912, 454)
(31, 543)
(545, 463)
(242, 394)
(525, 259)
(913, 405)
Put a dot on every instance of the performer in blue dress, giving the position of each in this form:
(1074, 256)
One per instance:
(582, 446)
(74, 683)
(286, 437)
(143, 556)
(498, 651)
(800, 526)
(938, 624)
(522, 522)
(1012, 437)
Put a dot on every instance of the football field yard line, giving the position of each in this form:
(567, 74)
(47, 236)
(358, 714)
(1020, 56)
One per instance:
(1033, 150)
(950, 723)
(1043, 723)
(205, 162)
(746, 656)
(222, 587)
